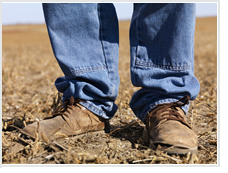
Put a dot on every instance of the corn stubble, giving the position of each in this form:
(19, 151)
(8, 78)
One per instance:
(29, 70)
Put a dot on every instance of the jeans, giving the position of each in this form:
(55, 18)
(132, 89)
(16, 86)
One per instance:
(85, 42)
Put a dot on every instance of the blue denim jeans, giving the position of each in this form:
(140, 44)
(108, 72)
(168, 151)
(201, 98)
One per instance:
(85, 42)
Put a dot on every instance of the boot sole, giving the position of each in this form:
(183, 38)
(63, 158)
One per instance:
(169, 149)
(89, 134)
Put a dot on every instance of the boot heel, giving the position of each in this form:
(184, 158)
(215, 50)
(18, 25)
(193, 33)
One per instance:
(151, 145)
(146, 135)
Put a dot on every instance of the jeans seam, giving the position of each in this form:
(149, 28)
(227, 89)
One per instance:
(101, 34)
(138, 37)
(103, 46)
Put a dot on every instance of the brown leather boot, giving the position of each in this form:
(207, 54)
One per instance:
(166, 126)
(70, 118)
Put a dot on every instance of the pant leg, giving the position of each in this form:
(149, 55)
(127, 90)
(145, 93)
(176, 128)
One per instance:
(85, 42)
(162, 55)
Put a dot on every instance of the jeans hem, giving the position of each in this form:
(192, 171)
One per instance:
(163, 66)
(148, 108)
(91, 107)
(82, 70)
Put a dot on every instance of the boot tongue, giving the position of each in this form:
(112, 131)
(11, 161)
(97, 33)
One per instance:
(71, 101)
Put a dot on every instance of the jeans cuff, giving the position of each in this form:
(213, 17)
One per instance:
(148, 108)
(91, 107)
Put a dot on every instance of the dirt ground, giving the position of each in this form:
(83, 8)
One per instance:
(29, 70)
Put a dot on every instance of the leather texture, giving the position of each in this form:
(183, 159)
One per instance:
(74, 119)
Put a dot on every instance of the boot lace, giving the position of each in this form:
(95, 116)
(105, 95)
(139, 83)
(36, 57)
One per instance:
(171, 111)
(65, 108)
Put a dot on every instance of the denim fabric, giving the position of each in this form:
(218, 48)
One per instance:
(85, 42)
